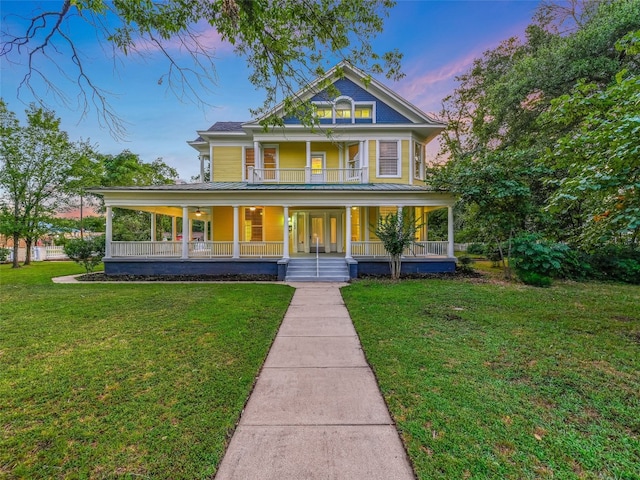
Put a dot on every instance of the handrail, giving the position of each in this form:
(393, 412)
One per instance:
(317, 256)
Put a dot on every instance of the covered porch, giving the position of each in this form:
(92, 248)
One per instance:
(266, 227)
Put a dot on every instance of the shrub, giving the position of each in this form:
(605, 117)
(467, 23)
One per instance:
(87, 252)
(616, 263)
(4, 254)
(465, 264)
(476, 249)
(492, 252)
(534, 279)
(534, 255)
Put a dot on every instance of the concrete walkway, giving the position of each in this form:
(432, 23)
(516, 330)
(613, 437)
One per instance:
(316, 411)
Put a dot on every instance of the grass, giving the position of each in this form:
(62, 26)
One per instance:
(124, 380)
(493, 380)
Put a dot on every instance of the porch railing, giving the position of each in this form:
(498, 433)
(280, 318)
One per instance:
(146, 249)
(419, 249)
(196, 249)
(260, 249)
(210, 249)
(307, 175)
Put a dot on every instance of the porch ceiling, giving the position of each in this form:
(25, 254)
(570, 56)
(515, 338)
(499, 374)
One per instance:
(220, 194)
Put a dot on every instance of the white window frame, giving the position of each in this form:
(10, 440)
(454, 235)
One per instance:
(262, 229)
(277, 167)
(244, 161)
(371, 105)
(354, 104)
(420, 172)
(399, 159)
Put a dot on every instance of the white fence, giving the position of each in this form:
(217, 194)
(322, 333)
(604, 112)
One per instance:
(419, 249)
(39, 254)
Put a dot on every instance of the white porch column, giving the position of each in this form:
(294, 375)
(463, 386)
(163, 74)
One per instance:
(236, 232)
(347, 252)
(450, 232)
(153, 227)
(211, 224)
(174, 229)
(108, 233)
(285, 231)
(307, 170)
(202, 179)
(185, 232)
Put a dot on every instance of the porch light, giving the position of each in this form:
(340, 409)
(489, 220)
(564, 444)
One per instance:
(253, 209)
(198, 212)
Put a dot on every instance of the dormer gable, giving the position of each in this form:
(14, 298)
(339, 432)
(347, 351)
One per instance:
(361, 100)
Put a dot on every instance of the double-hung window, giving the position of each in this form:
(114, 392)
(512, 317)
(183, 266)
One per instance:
(418, 161)
(249, 162)
(388, 158)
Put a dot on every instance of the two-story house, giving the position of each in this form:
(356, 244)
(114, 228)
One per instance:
(272, 198)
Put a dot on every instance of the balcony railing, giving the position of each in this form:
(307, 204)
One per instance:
(307, 175)
(418, 249)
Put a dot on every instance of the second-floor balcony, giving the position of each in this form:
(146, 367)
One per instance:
(307, 175)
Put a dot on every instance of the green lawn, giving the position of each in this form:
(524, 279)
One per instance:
(125, 380)
(489, 380)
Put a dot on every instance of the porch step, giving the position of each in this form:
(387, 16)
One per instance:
(331, 269)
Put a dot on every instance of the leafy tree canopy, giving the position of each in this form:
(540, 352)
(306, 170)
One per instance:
(547, 125)
(286, 44)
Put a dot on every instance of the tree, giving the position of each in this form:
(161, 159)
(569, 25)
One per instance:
(396, 232)
(86, 251)
(601, 155)
(507, 115)
(36, 163)
(127, 169)
(286, 44)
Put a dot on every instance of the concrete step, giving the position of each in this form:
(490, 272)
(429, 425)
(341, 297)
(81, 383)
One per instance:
(322, 270)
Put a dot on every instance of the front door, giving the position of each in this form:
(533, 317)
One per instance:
(316, 237)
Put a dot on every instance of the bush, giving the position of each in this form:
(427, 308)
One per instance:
(476, 249)
(465, 264)
(87, 252)
(535, 279)
(616, 263)
(534, 255)
(4, 254)
(492, 252)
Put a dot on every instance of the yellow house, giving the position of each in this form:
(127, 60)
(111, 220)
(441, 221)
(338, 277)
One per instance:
(293, 201)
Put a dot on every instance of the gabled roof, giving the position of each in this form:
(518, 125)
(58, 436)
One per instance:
(375, 87)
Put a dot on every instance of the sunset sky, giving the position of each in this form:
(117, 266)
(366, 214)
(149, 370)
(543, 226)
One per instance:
(439, 40)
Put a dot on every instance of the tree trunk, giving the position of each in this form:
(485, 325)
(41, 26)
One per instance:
(396, 265)
(16, 244)
(27, 255)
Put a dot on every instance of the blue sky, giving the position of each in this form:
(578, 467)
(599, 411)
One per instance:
(439, 40)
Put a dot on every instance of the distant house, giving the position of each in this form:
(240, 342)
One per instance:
(274, 197)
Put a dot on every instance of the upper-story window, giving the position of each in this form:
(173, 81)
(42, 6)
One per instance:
(364, 112)
(345, 110)
(418, 161)
(324, 112)
(249, 162)
(389, 158)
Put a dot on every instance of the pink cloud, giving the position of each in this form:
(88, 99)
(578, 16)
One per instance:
(204, 36)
